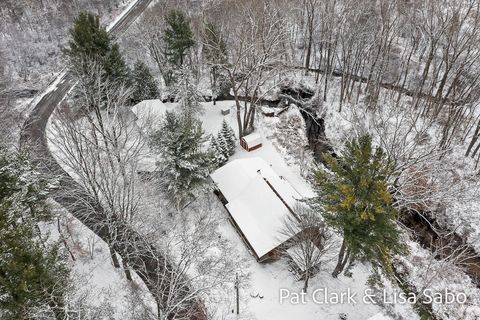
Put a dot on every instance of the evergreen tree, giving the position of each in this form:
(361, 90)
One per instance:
(229, 136)
(145, 85)
(187, 95)
(89, 38)
(183, 167)
(91, 41)
(115, 66)
(215, 52)
(178, 36)
(356, 202)
(223, 144)
(219, 157)
(33, 275)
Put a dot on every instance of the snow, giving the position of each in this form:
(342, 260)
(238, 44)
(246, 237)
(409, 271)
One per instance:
(379, 316)
(453, 187)
(121, 15)
(257, 210)
(233, 177)
(97, 284)
(267, 280)
(149, 113)
(51, 87)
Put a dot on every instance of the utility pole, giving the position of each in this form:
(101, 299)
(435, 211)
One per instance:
(237, 286)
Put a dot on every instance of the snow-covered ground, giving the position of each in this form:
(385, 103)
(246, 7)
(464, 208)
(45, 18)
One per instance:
(453, 186)
(212, 122)
(99, 290)
(263, 284)
(269, 279)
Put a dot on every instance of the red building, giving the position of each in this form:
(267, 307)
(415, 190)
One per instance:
(251, 142)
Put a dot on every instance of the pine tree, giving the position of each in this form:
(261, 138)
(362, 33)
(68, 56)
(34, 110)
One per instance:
(145, 85)
(183, 167)
(223, 144)
(33, 274)
(187, 95)
(355, 201)
(215, 51)
(178, 36)
(91, 42)
(229, 136)
(217, 152)
(115, 67)
(89, 38)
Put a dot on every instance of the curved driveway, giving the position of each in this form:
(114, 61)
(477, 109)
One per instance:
(138, 253)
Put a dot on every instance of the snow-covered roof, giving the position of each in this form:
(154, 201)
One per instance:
(253, 139)
(149, 112)
(258, 200)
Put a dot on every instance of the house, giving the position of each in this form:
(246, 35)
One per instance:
(258, 202)
(251, 142)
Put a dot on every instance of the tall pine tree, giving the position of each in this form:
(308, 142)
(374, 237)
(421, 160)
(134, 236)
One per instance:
(178, 36)
(115, 66)
(355, 201)
(145, 85)
(33, 274)
(183, 167)
(215, 52)
(89, 38)
(187, 95)
(90, 41)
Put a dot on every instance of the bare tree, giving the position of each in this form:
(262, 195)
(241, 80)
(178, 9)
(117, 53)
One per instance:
(310, 7)
(309, 242)
(201, 265)
(448, 258)
(150, 29)
(99, 143)
(255, 53)
(10, 118)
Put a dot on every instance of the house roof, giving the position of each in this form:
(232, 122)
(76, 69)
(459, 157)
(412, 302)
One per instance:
(149, 112)
(258, 200)
(252, 139)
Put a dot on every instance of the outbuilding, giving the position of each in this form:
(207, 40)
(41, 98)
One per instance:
(258, 202)
(251, 142)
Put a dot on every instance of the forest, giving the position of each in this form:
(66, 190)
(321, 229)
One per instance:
(120, 121)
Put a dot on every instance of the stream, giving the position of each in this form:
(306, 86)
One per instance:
(423, 226)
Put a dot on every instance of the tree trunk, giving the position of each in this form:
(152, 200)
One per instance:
(128, 273)
(474, 140)
(214, 91)
(305, 283)
(113, 254)
(342, 260)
